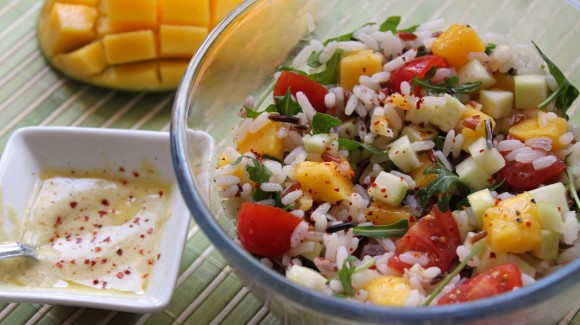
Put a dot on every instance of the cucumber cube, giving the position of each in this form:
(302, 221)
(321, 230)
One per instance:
(418, 133)
(549, 245)
(480, 201)
(447, 115)
(389, 189)
(550, 217)
(311, 255)
(421, 115)
(554, 194)
(320, 143)
(306, 277)
(471, 173)
(530, 90)
(475, 71)
(496, 103)
(347, 130)
(403, 155)
(489, 159)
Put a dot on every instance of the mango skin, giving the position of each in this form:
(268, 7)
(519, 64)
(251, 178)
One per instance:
(72, 37)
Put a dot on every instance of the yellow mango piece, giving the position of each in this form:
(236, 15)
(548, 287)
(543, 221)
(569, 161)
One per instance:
(388, 290)
(470, 135)
(180, 41)
(130, 47)
(504, 81)
(171, 71)
(130, 76)
(130, 15)
(323, 181)
(69, 26)
(223, 160)
(530, 129)
(264, 142)
(417, 175)
(185, 12)
(87, 61)
(219, 9)
(384, 214)
(401, 102)
(513, 225)
(357, 64)
(455, 44)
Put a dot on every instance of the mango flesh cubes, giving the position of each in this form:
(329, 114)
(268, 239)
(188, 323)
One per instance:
(136, 45)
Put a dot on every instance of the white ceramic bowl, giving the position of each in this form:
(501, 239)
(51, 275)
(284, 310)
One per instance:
(31, 151)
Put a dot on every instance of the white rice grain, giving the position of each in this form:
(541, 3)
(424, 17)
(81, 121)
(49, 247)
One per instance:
(509, 145)
(543, 162)
(571, 228)
(394, 64)
(412, 258)
(444, 159)
(566, 138)
(520, 151)
(448, 144)
(528, 156)
(298, 233)
(423, 145)
(351, 105)
(330, 100)
(258, 123)
(226, 180)
(291, 197)
(328, 52)
(369, 41)
(292, 157)
(370, 83)
(408, 179)
(381, 77)
(271, 187)
(305, 105)
(352, 46)
(298, 213)
(365, 94)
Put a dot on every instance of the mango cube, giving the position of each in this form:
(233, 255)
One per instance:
(421, 179)
(530, 129)
(69, 26)
(471, 135)
(323, 181)
(513, 225)
(185, 12)
(219, 9)
(130, 47)
(130, 75)
(180, 41)
(383, 214)
(353, 66)
(130, 15)
(388, 290)
(87, 61)
(264, 142)
(455, 44)
(171, 71)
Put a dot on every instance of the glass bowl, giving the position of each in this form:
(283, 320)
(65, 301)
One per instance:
(239, 58)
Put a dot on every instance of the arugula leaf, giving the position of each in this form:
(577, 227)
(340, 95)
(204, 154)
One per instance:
(565, 94)
(285, 105)
(259, 173)
(390, 24)
(397, 229)
(313, 60)
(410, 29)
(571, 186)
(474, 251)
(347, 270)
(489, 47)
(322, 123)
(350, 145)
(442, 187)
(287, 68)
(253, 114)
(330, 73)
(448, 86)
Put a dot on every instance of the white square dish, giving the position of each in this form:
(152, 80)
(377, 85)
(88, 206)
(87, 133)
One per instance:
(32, 151)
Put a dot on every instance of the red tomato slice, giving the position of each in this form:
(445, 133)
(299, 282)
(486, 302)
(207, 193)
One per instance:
(436, 235)
(314, 91)
(523, 176)
(492, 282)
(265, 230)
(416, 67)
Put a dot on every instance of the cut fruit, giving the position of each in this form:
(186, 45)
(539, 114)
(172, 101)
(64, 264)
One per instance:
(130, 45)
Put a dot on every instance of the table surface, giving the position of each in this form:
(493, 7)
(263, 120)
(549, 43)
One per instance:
(31, 93)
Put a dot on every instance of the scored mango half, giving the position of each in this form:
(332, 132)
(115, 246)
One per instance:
(135, 45)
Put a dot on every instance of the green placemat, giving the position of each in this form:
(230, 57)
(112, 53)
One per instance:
(31, 93)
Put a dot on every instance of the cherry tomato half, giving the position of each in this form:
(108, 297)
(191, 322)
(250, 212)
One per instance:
(416, 67)
(435, 235)
(523, 176)
(492, 282)
(265, 230)
(314, 91)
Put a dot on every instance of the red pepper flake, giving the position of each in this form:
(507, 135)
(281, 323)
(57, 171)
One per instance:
(150, 231)
(407, 36)
(158, 256)
(161, 193)
(119, 252)
(492, 255)
(150, 262)
(73, 204)
(58, 222)
(481, 150)
(142, 236)
(104, 260)
(93, 262)
(98, 249)
(136, 221)
(127, 271)
(122, 169)
(72, 262)
(107, 240)
(105, 202)
(87, 261)
(124, 182)
(145, 276)
(102, 213)
(81, 228)
(337, 189)
(383, 190)
(136, 174)
(58, 264)
(528, 224)
(87, 218)
(141, 252)
(96, 281)
(120, 275)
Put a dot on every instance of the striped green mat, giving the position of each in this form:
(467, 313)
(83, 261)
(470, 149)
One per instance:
(31, 93)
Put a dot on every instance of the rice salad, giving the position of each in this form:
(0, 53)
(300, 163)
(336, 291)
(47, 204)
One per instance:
(422, 166)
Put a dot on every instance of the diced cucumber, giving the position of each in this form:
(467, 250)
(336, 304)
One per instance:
(480, 201)
(530, 90)
(496, 103)
(447, 115)
(403, 155)
(320, 143)
(554, 194)
(471, 173)
(549, 245)
(389, 189)
(550, 217)
(418, 133)
(347, 130)
(489, 159)
(422, 115)
(474, 71)
(306, 277)
(490, 259)
(314, 252)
